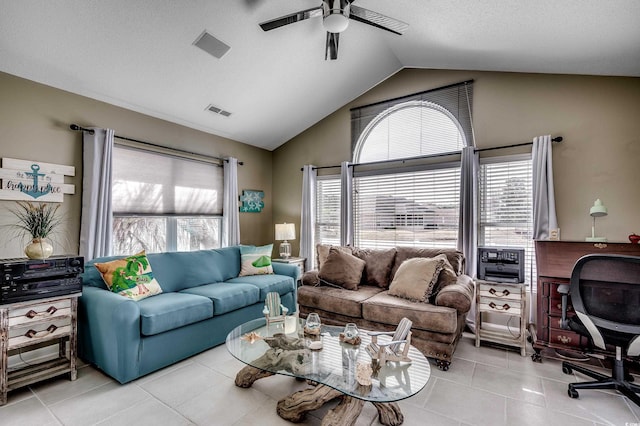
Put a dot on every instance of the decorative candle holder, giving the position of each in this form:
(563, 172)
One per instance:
(312, 325)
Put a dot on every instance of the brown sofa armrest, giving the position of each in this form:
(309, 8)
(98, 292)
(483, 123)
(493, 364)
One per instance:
(310, 278)
(458, 296)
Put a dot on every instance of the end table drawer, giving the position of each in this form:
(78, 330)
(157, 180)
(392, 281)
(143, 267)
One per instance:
(500, 290)
(28, 334)
(39, 311)
(512, 307)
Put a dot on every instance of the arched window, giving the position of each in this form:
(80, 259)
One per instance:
(413, 202)
(410, 129)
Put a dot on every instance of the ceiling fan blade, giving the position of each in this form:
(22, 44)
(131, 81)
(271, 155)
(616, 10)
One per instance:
(377, 20)
(292, 18)
(331, 51)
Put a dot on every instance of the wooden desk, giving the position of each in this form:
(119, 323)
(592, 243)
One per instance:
(554, 261)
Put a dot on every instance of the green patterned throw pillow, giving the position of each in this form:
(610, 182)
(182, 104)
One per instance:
(130, 277)
(255, 260)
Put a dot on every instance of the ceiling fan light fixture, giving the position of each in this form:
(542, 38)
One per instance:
(335, 23)
(335, 16)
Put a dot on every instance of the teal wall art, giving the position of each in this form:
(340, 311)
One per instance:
(251, 201)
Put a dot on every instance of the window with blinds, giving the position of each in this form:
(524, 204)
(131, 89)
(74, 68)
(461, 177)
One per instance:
(408, 208)
(327, 226)
(413, 202)
(506, 206)
(163, 202)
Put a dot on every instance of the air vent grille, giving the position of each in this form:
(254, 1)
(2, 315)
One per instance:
(214, 109)
(211, 45)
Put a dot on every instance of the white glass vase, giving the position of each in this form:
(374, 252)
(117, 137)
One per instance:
(39, 248)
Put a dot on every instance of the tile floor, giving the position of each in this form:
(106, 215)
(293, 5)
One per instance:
(484, 386)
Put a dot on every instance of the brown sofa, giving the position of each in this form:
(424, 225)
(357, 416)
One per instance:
(438, 321)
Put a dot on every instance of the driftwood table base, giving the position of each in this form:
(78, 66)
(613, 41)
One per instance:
(289, 354)
(295, 407)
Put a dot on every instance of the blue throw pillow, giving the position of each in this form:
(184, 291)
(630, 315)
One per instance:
(255, 260)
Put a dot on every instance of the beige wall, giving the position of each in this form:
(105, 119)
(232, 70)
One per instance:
(34, 125)
(599, 118)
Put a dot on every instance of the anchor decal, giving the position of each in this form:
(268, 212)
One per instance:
(34, 190)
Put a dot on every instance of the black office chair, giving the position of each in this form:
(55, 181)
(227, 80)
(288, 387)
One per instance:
(605, 294)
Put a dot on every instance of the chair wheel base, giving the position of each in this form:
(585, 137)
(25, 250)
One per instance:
(572, 392)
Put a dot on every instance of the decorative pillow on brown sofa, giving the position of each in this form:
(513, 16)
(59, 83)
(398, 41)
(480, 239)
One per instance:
(455, 257)
(322, 250)
(416, 278)
(342, 269)
(377, 270)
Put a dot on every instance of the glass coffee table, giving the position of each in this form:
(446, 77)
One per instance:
(333, 371)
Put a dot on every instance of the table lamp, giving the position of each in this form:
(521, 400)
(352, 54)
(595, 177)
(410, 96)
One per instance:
(284, 232)
(597, 210)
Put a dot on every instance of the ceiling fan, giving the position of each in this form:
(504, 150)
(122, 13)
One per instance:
(335, 19)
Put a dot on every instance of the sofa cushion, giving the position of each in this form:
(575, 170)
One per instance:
(322, 250)
(130, 276)
(455, 257)
(342, 269)
(378, 265)
(227, 297)
(282, 284)
(180, 270)
(333, 299)
(172, 310)
(387, 309)
(416, 278)
(255, 260)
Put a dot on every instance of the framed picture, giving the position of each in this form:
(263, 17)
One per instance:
(251, 201)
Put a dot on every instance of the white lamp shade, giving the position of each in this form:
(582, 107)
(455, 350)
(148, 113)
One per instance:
(285, 231)
(598, 209)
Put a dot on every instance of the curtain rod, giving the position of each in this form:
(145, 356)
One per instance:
(556, 139)
(83, 129)
(448, 86)
(443, 154)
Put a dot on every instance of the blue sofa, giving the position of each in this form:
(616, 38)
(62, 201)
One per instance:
(202, 300)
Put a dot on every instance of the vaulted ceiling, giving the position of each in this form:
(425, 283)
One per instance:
(140, 54)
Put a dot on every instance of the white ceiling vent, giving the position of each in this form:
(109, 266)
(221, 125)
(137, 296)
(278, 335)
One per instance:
(218, 111)
(211, 45)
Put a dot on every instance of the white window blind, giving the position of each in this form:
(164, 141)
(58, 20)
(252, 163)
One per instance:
(164, 203)
(327, 227)
(506, 206)
(411, 208)
(146, 182)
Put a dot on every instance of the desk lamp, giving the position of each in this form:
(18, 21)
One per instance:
(284, 232)
(597, 210)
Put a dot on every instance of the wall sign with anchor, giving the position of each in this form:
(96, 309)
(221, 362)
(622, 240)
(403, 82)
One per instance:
(26, 180)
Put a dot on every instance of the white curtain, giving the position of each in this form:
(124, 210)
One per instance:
(346, 204)
(544, 202)
(230, 210)
(308, 219)
(467, 230)
(468, 225)
(96, 222)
